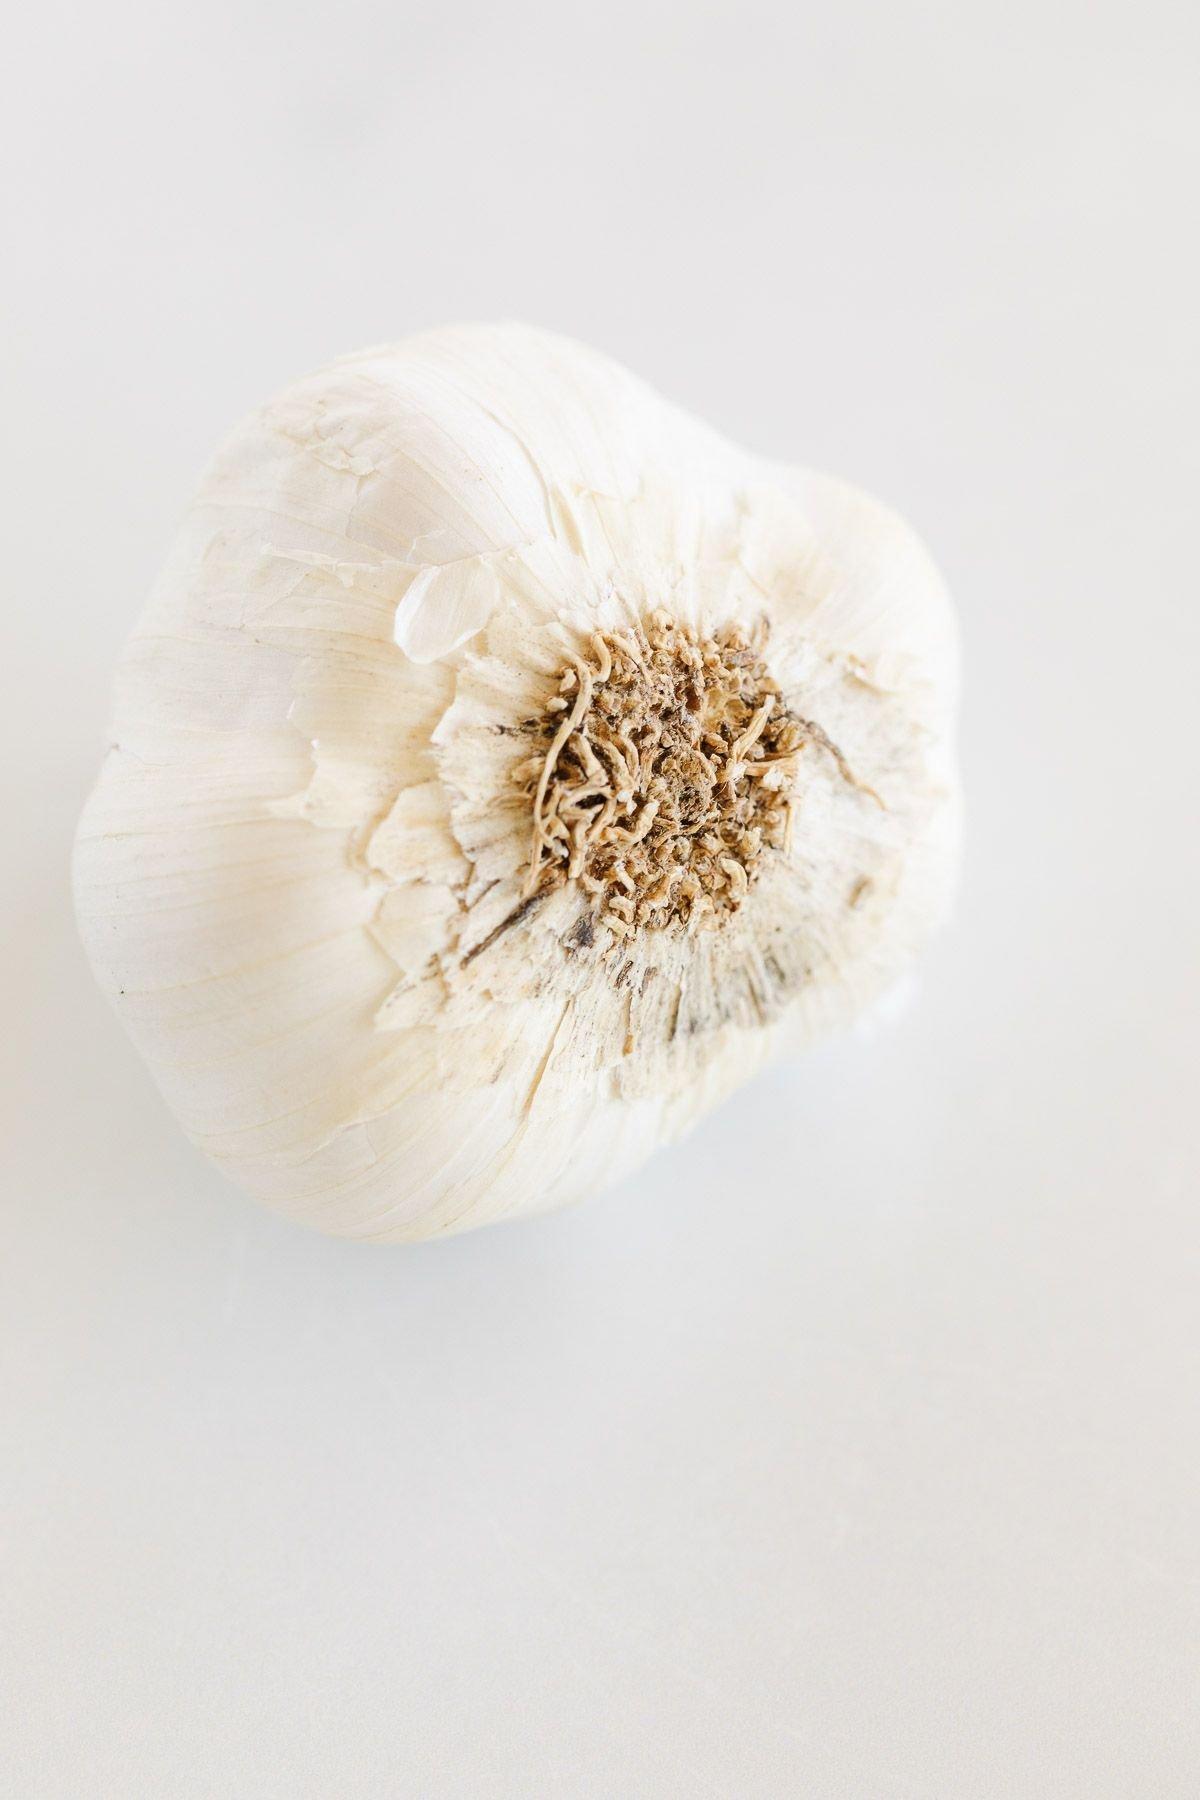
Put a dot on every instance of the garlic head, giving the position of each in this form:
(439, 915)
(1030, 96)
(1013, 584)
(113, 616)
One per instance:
(504, 768)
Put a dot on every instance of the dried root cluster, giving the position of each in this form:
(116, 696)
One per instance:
(663, 775)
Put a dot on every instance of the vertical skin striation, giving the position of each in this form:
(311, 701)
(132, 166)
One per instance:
(504, 768)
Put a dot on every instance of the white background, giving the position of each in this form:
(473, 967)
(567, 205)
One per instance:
(853, 1450)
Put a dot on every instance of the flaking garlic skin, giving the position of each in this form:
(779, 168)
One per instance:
(504, 768)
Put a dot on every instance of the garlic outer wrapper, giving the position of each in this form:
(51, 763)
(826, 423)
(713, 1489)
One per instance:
(504, 768)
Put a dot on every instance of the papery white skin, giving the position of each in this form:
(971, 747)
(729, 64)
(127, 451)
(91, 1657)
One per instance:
(306, 820)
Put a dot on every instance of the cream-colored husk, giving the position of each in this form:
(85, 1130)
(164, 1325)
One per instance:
(301, 872)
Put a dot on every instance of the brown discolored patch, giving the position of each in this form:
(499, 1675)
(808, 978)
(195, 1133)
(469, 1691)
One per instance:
(528, 904)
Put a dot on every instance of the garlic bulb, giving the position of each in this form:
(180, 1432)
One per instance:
(505, 767)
